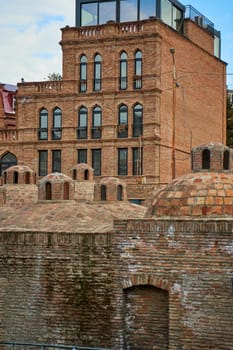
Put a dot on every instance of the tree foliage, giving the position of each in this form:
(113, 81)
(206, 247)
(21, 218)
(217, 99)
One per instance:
(229, 123)
(54, 76)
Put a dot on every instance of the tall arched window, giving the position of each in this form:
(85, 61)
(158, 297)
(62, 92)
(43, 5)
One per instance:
(83, 74)
(6, 161)
(138, 70)
(137, 120)
(226, 159)
(43, 125)
(123, 122)
(206, 159)
(57, 124)
(123, 83)
(96, 122)
(82, 123)
(97, 73)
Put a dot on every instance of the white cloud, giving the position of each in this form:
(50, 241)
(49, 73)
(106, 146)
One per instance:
(30, 35)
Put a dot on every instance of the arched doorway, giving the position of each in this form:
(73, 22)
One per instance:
(146, 318)
(7, 161)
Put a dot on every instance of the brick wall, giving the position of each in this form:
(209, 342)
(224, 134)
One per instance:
(169, 278)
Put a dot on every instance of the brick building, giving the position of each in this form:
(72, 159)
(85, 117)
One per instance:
(7, 106)
(135, 88)
(112, 274)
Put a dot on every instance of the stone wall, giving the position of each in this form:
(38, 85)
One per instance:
(84, 190)
(151, 284)
(17, 196)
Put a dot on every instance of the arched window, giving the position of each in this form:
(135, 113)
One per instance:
(57, 124)
(123, 122)
(96, 122)
(86, 175)
(43, 125)
(103, 192)
(27, 178)
(137, 120)
(74, 174)
(66, 191)
(206, 159)
(15, 177)
(48, 191)
(138, 70)
(97, 73)
(82, 123)
(6, 161)
(119, 193)
(226, 159)
(83, 74)
(123, 83)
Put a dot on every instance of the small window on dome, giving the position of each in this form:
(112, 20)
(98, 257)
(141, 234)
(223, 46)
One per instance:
(119, 193)
(66, 190)
(48, 190)
(15, 177)
(103, 191)
(226, 158)
(206, 159)
(27, 178)
(74, 173)
(86, 175)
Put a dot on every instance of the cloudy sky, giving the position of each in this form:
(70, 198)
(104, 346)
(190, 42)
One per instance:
(29, 37)
(30, 33)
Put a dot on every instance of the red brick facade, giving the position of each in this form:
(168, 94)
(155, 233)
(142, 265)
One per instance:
(198, 110)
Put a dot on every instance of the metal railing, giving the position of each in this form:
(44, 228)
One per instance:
(34, 346)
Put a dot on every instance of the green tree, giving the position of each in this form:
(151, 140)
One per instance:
(54, 76)
(229, 123)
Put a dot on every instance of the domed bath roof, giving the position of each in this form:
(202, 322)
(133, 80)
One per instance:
(56, 178)
(198, 194)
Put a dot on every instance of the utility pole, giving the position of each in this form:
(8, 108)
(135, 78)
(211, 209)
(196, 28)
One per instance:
(174, 86)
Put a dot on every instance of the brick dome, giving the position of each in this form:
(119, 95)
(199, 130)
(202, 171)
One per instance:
(55, 178)
(111, 189)
(19, 174)
(199, 194)
(208, 191)
(56, 186)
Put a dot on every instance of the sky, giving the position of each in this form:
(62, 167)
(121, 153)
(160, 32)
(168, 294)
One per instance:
(30, 35)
